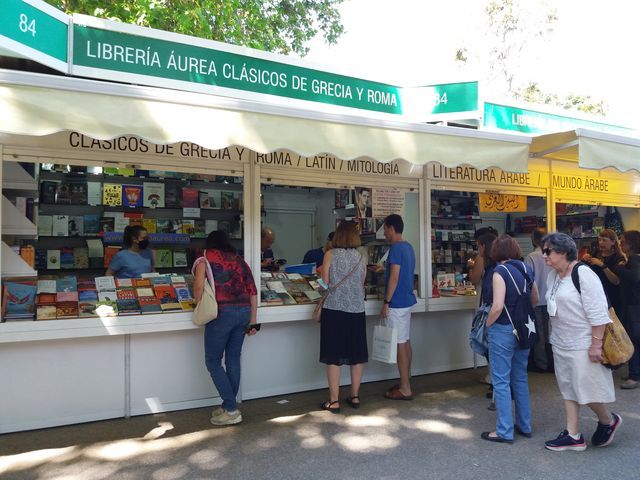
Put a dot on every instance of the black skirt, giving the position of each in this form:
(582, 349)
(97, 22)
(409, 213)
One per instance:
(343, 338)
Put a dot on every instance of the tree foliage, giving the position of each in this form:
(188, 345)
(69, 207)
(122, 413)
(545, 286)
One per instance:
(513, 30)
(281, 26)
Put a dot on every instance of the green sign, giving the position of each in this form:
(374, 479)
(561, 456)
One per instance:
(34, 30)
(529, 121)
(155, 60)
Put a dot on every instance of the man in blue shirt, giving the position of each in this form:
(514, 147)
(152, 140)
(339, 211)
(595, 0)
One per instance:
(399, 300)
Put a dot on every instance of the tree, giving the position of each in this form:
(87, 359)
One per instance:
(514, 30)
(281, 26)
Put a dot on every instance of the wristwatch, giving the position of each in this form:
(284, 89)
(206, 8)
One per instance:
(387, 302)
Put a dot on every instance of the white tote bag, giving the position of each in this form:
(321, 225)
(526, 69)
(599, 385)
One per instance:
(385, 344)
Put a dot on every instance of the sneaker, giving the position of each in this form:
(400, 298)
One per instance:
(217, 412)
(564, 441)
(630, 384)
(603, 435)
(227, 418)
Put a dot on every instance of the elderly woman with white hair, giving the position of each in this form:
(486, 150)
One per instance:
(578, 320)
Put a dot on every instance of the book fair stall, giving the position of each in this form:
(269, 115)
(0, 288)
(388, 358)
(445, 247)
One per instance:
(197, 146)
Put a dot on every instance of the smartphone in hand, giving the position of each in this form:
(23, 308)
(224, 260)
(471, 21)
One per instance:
(252, 326)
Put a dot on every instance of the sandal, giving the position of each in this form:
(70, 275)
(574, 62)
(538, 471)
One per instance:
(494, 438)
(327, 406)
(350, 401)
(397, 395)
(395, 387)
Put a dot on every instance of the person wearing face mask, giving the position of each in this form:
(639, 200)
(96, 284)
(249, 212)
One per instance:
(135, 258)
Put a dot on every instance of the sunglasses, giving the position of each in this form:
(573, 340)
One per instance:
(547, 251)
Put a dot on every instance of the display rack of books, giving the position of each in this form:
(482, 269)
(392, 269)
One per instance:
(582, 222)
(84, 211)
(19, 205)
(280, 288)
(453, 223)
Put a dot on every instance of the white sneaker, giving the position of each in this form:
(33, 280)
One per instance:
(217, 412)
(227, 418)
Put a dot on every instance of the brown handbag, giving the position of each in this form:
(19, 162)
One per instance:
(317, 311)
(617, 347)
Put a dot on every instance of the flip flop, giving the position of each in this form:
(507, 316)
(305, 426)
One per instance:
(397, 395)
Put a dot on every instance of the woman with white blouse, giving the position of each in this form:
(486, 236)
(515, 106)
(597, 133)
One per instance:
(578, 321)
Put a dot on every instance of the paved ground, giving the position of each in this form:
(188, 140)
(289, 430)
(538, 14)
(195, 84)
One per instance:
(435, 436)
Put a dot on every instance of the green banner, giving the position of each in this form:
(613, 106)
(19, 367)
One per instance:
(529, 121)
(35, 31)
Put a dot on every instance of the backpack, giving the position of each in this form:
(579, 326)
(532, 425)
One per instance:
(522, 317)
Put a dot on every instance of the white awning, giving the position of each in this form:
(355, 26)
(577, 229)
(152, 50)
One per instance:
(33, 104)
(591, 149)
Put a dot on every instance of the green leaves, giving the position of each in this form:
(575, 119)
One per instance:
(281, 26)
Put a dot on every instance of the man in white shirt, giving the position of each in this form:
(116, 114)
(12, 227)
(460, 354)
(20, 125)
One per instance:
(542, 357)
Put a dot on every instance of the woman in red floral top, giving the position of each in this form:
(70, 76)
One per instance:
(236, 295)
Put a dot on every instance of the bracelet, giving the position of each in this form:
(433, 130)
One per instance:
(597, 338)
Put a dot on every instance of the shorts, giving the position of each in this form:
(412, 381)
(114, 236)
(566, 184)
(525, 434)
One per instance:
(400, 319)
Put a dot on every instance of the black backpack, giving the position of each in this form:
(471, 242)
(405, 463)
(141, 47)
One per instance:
(522, 316)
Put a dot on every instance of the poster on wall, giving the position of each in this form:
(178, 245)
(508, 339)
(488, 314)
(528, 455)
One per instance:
(500, 202)
(363, 202)
(387, 201)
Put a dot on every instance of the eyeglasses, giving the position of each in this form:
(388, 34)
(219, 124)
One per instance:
(547, 251)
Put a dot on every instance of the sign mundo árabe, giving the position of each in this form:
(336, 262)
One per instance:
(530, 121)
(35, 30)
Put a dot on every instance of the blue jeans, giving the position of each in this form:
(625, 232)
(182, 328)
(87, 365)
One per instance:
(509, 374)
(631, 323)
(225, 336)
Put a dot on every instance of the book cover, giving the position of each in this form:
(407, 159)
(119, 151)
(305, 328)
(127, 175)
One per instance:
(182, 293)
(164, 225)
(63, 193)
(145, 292)
(112, 194)
(228, 200)
(149, 304)
(188, 227)
(46, 286)
(128, 306)
(120, 223)
(68, 283)
(142, 282)
(48, 191)
(177, 280)
(153, 195)
(105, 283)
(76, 225)
(67, 310)
(125, 294)
(124, 282)
(88, 308)
(199, 228)
(205, 201)
(167, 297)
(41, 259)
(79, 192)
(132, 195)
(60, 226)
(67, 260)
(177, 225)
(107, 308)
(91, 224)
(45, 225)
(164, 258)
(81, 257)
(107, 296)
(94, 193)
(109, 253)
(53, 259)
(190, 197)
(20, 299)
(67, 297)
(160, 280)
(107, 224)
(342, 198)
(149, 224)
(172, 192)
(180, 258)
(46, 312)
(210, 226)
(187, 305)
(88, 296)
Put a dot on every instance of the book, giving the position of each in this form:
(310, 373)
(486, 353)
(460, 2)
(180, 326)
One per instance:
(88, 308)
(45, 312)
(107, 296)
(91, 224)
(188, 305)
(149, 224)
(63, 193)
(166, 295)
(67, 260)
(142, 282)
(76, 225)
(128, 306)
(45, 225)
(107, 224)
(94, 193)
(41, 259)
(67, 310)
(88, 296)
(81, 257)
(132, 195)
(67, 297)
(228, 200)
(67, 283)
(177, 225)
(172, 192)
(19, 299)
(105, 283)
(164, 225)
(48, 191)
(160, 280)
(46, 286)
(180, 258)
(106, 308)
(78, 193)
(199, 228)
(177, 280)
(53, 259)
(188, 227)
(120, 223)
(60, 226)
(153, 195)
(149, 304)
(125, 294)
(164, 258)
(112, 194)
(28, 254)
(109, 253)
(145, 292)
(190, 197)
(124, 282)
(182, 293)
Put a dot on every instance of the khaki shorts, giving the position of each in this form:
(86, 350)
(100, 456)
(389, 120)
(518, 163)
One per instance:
(400, 319)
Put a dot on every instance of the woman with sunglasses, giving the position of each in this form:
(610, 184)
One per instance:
(578, 320)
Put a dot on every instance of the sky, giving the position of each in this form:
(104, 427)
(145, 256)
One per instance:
(592, 50)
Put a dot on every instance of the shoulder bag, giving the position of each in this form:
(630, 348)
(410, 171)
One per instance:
(317, 311)
(207, 308)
